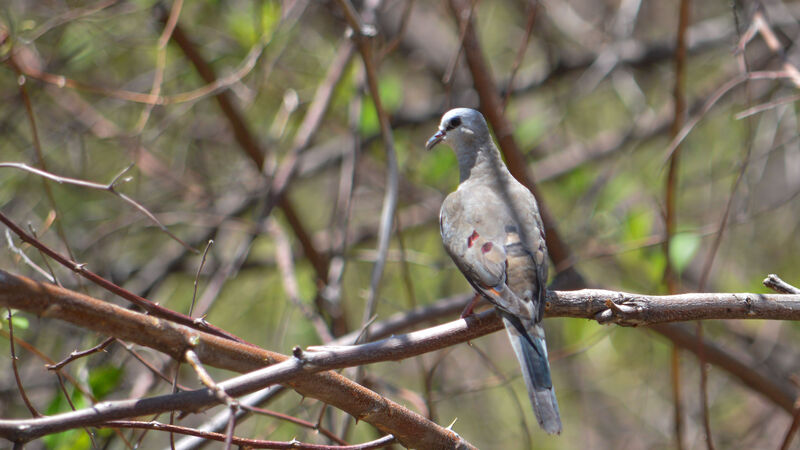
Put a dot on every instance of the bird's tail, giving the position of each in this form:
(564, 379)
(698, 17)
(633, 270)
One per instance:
(527, 338)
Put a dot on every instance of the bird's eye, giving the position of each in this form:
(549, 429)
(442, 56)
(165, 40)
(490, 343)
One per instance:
(454, 122)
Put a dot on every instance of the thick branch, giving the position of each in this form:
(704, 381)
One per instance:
(628, 309)
(50, 301)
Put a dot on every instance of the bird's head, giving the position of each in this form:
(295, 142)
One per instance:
(459, 126)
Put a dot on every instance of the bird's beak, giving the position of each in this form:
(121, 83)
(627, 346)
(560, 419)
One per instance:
(435, 139)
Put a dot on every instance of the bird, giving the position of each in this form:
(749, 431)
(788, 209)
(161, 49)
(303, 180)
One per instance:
(492, 229)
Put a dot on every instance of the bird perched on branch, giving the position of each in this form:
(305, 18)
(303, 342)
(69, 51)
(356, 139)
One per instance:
(492, 229)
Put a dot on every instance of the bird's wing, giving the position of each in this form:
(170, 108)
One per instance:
(479, 244)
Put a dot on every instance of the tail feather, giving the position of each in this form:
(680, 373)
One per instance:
(527, 339)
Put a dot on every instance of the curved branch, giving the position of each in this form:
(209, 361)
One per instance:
(45, 300)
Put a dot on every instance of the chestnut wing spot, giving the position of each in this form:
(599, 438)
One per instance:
(471, 239)
(487, 247)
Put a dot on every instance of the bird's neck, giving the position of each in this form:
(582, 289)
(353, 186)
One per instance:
(485, 163)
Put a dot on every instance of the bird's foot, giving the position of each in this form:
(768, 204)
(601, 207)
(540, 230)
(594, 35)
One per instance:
(468, 311)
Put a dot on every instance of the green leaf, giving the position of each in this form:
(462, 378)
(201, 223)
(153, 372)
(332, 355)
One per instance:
(104, 379)
(682, 249)
(369, 118)
(76, 439)
(20, 323)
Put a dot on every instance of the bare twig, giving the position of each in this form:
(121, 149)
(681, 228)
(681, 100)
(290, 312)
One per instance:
(776, 391)
(533, 8)
(27, 260)
(283, 256)
(789, 437)
(671, 278)
(248, 142)
(197, 275)
(219, 392)
(491, 106)
(775, 283)
(715, 97)
(304, 423)
(161, 63)
(81, 270)
(392, 177)
(28, 404)
(245, 443)
(219, 421)
(110, 187)
(76, 354)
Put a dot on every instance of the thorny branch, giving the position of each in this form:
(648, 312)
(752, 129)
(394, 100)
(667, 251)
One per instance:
(172, 339)
(628, 309)
(602, 56)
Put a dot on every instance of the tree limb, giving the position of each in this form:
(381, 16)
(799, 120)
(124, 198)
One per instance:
(50, 301)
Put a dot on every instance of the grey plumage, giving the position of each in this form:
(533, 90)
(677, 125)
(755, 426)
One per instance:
(492, 230)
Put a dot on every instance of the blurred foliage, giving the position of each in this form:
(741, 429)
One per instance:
(580, 84)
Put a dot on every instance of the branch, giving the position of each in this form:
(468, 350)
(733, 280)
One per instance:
(361, 35)
(80, 269)
(110, 187)
(492, 108)
(244, 443)
(50, 301)
(628, 309)
(249, 144)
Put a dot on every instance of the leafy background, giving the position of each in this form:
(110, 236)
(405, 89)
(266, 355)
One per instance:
(591, 106)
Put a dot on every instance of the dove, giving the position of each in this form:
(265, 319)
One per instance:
(492, 230)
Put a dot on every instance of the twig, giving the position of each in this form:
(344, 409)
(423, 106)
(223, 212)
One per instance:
(26, 259)
(329, 298)
(51, 216)
(304, 423)
(447, 78)
(248, 142)
(491, 107)
(35, 351)
(110, 187)
(310, 125)
(147, 305)
(34, 412)
(533, 8)
(283, 256)
(197, 275)
(789, 436)
(766, 106)
(390, 46)
(246, 443)
(212, 87)
(766, 384)
(76, 354)
(161, 63)
(72, 405)
(775, 283)
(671, 278)
(714, 98)
(220, 420)
(219, 392)
(149, 366)
(392, 176)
